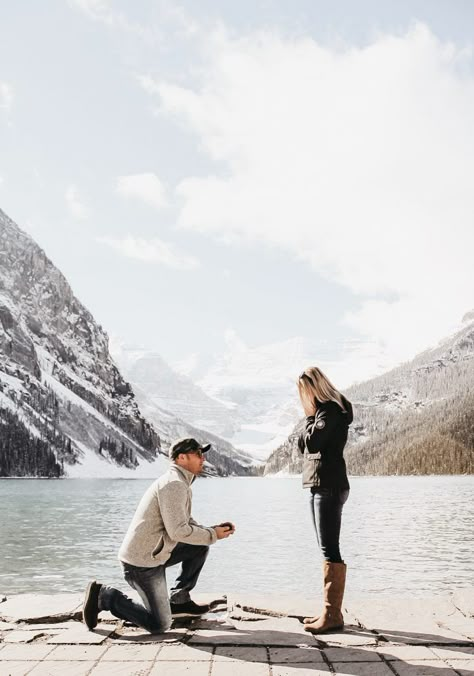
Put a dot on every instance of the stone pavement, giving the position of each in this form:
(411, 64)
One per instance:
(244, 634)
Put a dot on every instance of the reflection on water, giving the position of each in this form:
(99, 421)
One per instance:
(400, 534)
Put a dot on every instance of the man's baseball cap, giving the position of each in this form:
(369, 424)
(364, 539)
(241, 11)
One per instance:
(186, 446)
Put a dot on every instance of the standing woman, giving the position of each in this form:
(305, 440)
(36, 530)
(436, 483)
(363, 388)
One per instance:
(328, 416)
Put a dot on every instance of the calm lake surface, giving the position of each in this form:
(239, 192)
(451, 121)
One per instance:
(401, 535)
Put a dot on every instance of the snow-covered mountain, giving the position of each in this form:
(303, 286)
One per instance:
(261, 383)
(65, 408)
(222, 458)
(416, 419)
(173, 392)
(247, 395)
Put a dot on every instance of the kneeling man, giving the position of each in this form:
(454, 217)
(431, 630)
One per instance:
(162, 533)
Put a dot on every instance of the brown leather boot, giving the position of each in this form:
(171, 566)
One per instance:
(331, 618)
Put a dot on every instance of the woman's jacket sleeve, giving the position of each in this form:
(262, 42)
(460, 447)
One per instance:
(318, 431)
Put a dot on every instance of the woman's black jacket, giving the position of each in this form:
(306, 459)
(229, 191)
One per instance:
(322, 444)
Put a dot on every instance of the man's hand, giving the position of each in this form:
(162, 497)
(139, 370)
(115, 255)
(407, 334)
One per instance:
(223, 530)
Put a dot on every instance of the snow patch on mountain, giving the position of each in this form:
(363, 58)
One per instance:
(93, 466)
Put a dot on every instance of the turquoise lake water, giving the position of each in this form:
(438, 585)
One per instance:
(400, 535)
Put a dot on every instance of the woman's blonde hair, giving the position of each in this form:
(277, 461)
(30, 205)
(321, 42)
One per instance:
(313, 384)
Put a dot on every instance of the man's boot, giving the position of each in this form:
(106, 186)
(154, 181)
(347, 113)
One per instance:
(331, 618)
(90, 609)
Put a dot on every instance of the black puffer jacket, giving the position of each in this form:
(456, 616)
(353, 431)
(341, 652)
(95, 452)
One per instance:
(322, 444)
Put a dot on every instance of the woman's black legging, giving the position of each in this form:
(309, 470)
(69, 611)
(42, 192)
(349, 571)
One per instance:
(326, 509)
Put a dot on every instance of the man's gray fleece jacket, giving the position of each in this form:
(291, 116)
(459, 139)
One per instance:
(162, 519)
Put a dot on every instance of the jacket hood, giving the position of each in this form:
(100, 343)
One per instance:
(349, 412)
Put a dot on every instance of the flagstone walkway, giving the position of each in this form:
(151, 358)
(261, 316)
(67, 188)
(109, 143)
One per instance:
(244, 634)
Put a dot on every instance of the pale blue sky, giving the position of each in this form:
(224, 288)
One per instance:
(92, 91)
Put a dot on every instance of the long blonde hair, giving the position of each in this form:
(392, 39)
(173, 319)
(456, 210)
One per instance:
(313, 384)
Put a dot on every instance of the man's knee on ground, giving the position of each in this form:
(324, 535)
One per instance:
(160, 625)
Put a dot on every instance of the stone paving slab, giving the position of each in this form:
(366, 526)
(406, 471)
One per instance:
(32, 653)
(426, 668)
(180, 669)
(237, 613)
(352, 655)
(123, 669)
(131, 653)
(300, 670)
(185, 652)
(362, 669)
(280, 605)
(19, 668)
(21, 636)
(463, 667)
(463, 599)
(454, 652)
(351, 636)
(460, 624)
(67, 668)
(40, 607)
(240, 653)
(271, 632)
(47, 626)
(406, 652)
(6, 626)
(295, 655)
(75, 652)
(408, 620)
(236, 669)
(130, 635)
(81, 635)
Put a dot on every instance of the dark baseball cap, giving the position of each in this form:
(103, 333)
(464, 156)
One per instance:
(186, 446)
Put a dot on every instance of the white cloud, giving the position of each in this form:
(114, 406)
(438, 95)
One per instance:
(145, 187)
(148, 84)
(75, 206)
(357, 161)
(6, 96)
(102, 12)
(276, 366)
(152, 251)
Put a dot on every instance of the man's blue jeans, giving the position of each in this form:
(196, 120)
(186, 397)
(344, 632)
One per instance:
(155, 613)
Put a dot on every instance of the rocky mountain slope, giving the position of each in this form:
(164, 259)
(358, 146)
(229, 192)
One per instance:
(415, 419)
(65, 408)
(246, 395)
(222, 459)
(174, 392)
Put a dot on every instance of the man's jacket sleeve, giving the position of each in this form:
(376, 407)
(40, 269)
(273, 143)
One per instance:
(179, 525)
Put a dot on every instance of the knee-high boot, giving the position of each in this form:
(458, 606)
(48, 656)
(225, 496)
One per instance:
(334, 575)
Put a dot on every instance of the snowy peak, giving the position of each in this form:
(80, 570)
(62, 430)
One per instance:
(173, 392)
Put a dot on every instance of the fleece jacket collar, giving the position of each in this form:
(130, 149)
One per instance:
(188, 476)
